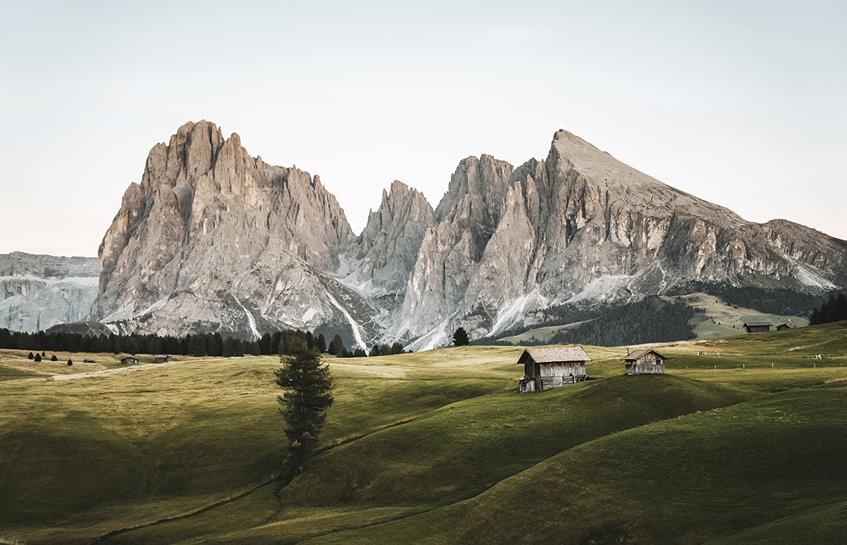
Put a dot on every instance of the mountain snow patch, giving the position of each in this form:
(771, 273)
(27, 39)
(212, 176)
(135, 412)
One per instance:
(811, 278)
(357, 333)
(250, 319)
(603, 288)
(512, 312)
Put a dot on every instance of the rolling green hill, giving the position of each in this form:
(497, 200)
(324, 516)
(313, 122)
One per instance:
(741, 442)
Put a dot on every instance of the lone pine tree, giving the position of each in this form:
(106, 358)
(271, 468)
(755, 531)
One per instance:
(307, 394)
(460, 337)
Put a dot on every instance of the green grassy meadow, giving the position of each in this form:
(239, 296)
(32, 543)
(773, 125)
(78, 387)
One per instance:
(743, 441)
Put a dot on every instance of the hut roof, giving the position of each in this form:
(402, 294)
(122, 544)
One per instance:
(553, 355)
(640, 353)
(757, 324)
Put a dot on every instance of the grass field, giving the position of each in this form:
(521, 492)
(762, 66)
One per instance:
(716, 318)
(741, 442)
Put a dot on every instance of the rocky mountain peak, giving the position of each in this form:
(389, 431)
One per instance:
(388, 246)
(216, 239)
(476, 188)
(40, 291)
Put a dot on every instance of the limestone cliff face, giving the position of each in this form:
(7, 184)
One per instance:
(41, 291)
(467, 216)
(583, 228)
(386, 251)
(214, 239)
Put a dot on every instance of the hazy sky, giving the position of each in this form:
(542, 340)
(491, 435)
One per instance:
(741, 103)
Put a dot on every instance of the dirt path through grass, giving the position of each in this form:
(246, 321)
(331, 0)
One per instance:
(116, 371)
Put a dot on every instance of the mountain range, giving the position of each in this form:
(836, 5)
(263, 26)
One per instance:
(213, 239)
(41, 291)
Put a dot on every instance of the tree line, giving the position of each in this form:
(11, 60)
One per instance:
(649, 320)
(772, 301)
(833, 310)
(287, 341)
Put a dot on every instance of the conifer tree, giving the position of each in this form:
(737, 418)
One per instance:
(307, 394)
(460, 337)
(336, 346)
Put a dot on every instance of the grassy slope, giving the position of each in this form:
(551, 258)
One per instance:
(541, 334)
(125, 447)
(436, 440)
(716, 318)
(685, 480)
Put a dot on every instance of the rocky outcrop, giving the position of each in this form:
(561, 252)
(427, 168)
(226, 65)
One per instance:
(582, 228)
(467, 216)
(41, 291)
(213, 239)
(387, 249)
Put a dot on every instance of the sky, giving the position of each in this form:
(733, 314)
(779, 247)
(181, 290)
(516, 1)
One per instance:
(742, 103)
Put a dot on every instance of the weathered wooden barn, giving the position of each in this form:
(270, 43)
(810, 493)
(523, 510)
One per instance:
(783, 327)
(546, 368)
(757, 327)
(644, 362)
(161, 358)
(129, 360)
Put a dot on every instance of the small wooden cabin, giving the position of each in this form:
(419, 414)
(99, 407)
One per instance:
(161, 358)
(129, 360)
(644, 362)
(546, 368)
(757, 327)
(783, 327)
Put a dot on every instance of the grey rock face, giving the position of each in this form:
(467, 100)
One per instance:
(584, 228)
(386, 251)
(214, 239)
(467, 216)
(40, 291)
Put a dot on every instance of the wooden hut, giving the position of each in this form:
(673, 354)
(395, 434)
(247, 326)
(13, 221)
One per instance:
(546, 368)
(161, 358)
(129, 360)
(757, 327)
(644, 362)
(783, 327)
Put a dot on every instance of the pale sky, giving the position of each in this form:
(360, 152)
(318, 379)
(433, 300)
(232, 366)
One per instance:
(741, 103)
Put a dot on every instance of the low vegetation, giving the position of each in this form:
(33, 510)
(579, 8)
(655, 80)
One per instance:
(650, 320)
(833, 310)
(741, 442)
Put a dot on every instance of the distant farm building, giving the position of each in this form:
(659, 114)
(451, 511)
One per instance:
(757, 327)
(644, 362)
(546, 368)
(783, 327)
(161, 359)
(129, 360)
